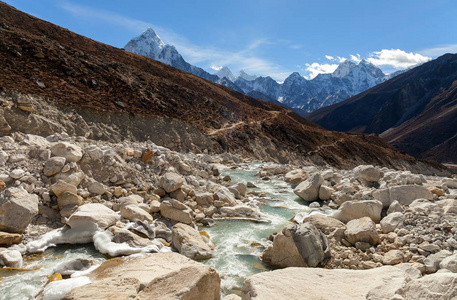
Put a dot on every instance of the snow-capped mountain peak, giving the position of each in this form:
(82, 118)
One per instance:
(365, 62)
(245, 76)
(148, 44)
(344, 69)
(295, 76)
(225, 72)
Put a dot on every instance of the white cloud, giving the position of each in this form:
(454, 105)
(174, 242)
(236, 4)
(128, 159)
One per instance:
(216, 68)
(110, 17)
(440, 50)
(340, 59)
(396, 58)
(332, 58)
(315, 69)
(387, 60)
(356, 58)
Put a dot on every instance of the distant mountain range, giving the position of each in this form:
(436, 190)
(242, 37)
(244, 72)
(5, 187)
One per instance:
(415, 111)
(296, 92)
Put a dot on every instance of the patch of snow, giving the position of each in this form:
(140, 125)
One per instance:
(58, 289)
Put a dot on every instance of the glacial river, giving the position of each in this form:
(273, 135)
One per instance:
(238, 244)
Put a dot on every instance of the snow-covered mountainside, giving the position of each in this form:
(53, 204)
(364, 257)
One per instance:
(306, 96)
(150, 45)
(347, 80)
(245, 76)
(225, 72)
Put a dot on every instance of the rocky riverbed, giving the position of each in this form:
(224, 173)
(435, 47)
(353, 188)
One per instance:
(145, 203)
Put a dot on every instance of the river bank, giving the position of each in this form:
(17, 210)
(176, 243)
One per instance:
(238, 217)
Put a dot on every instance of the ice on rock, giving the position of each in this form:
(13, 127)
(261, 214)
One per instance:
(58, 289)
(89, 232)
(103, 243)
(79, 235)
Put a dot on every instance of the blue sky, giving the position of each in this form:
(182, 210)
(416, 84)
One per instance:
(266, 37)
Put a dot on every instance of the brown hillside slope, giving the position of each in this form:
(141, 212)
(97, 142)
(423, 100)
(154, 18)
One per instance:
(103, 84)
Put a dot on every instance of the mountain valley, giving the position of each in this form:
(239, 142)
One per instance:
(139, 176)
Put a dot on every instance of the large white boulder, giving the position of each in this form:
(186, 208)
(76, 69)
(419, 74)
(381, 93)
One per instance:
(170, 182)
(361, 230)
(433, 261)
(71, 152)
(242, 212)
(324, 223)
(423, 205)
(325, 193)
(176, 211)
(308, 190)
(449, 263)
(93, 213)
(134, 212)
(53, 165)
(449, 182)
(392, 221)
(61, 187)
(17, 209)
(158, 276)
(298, 246)
(367, 174)
(69, 198)
(295, 176)
(10, 258)
(406, 194)
(351, 210)
(313, 283)
(449, 206)
(190, 243)
(438, 286)
(224, 195)
(383, 195)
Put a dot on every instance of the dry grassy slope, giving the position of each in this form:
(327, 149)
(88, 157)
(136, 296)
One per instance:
(83, 74)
